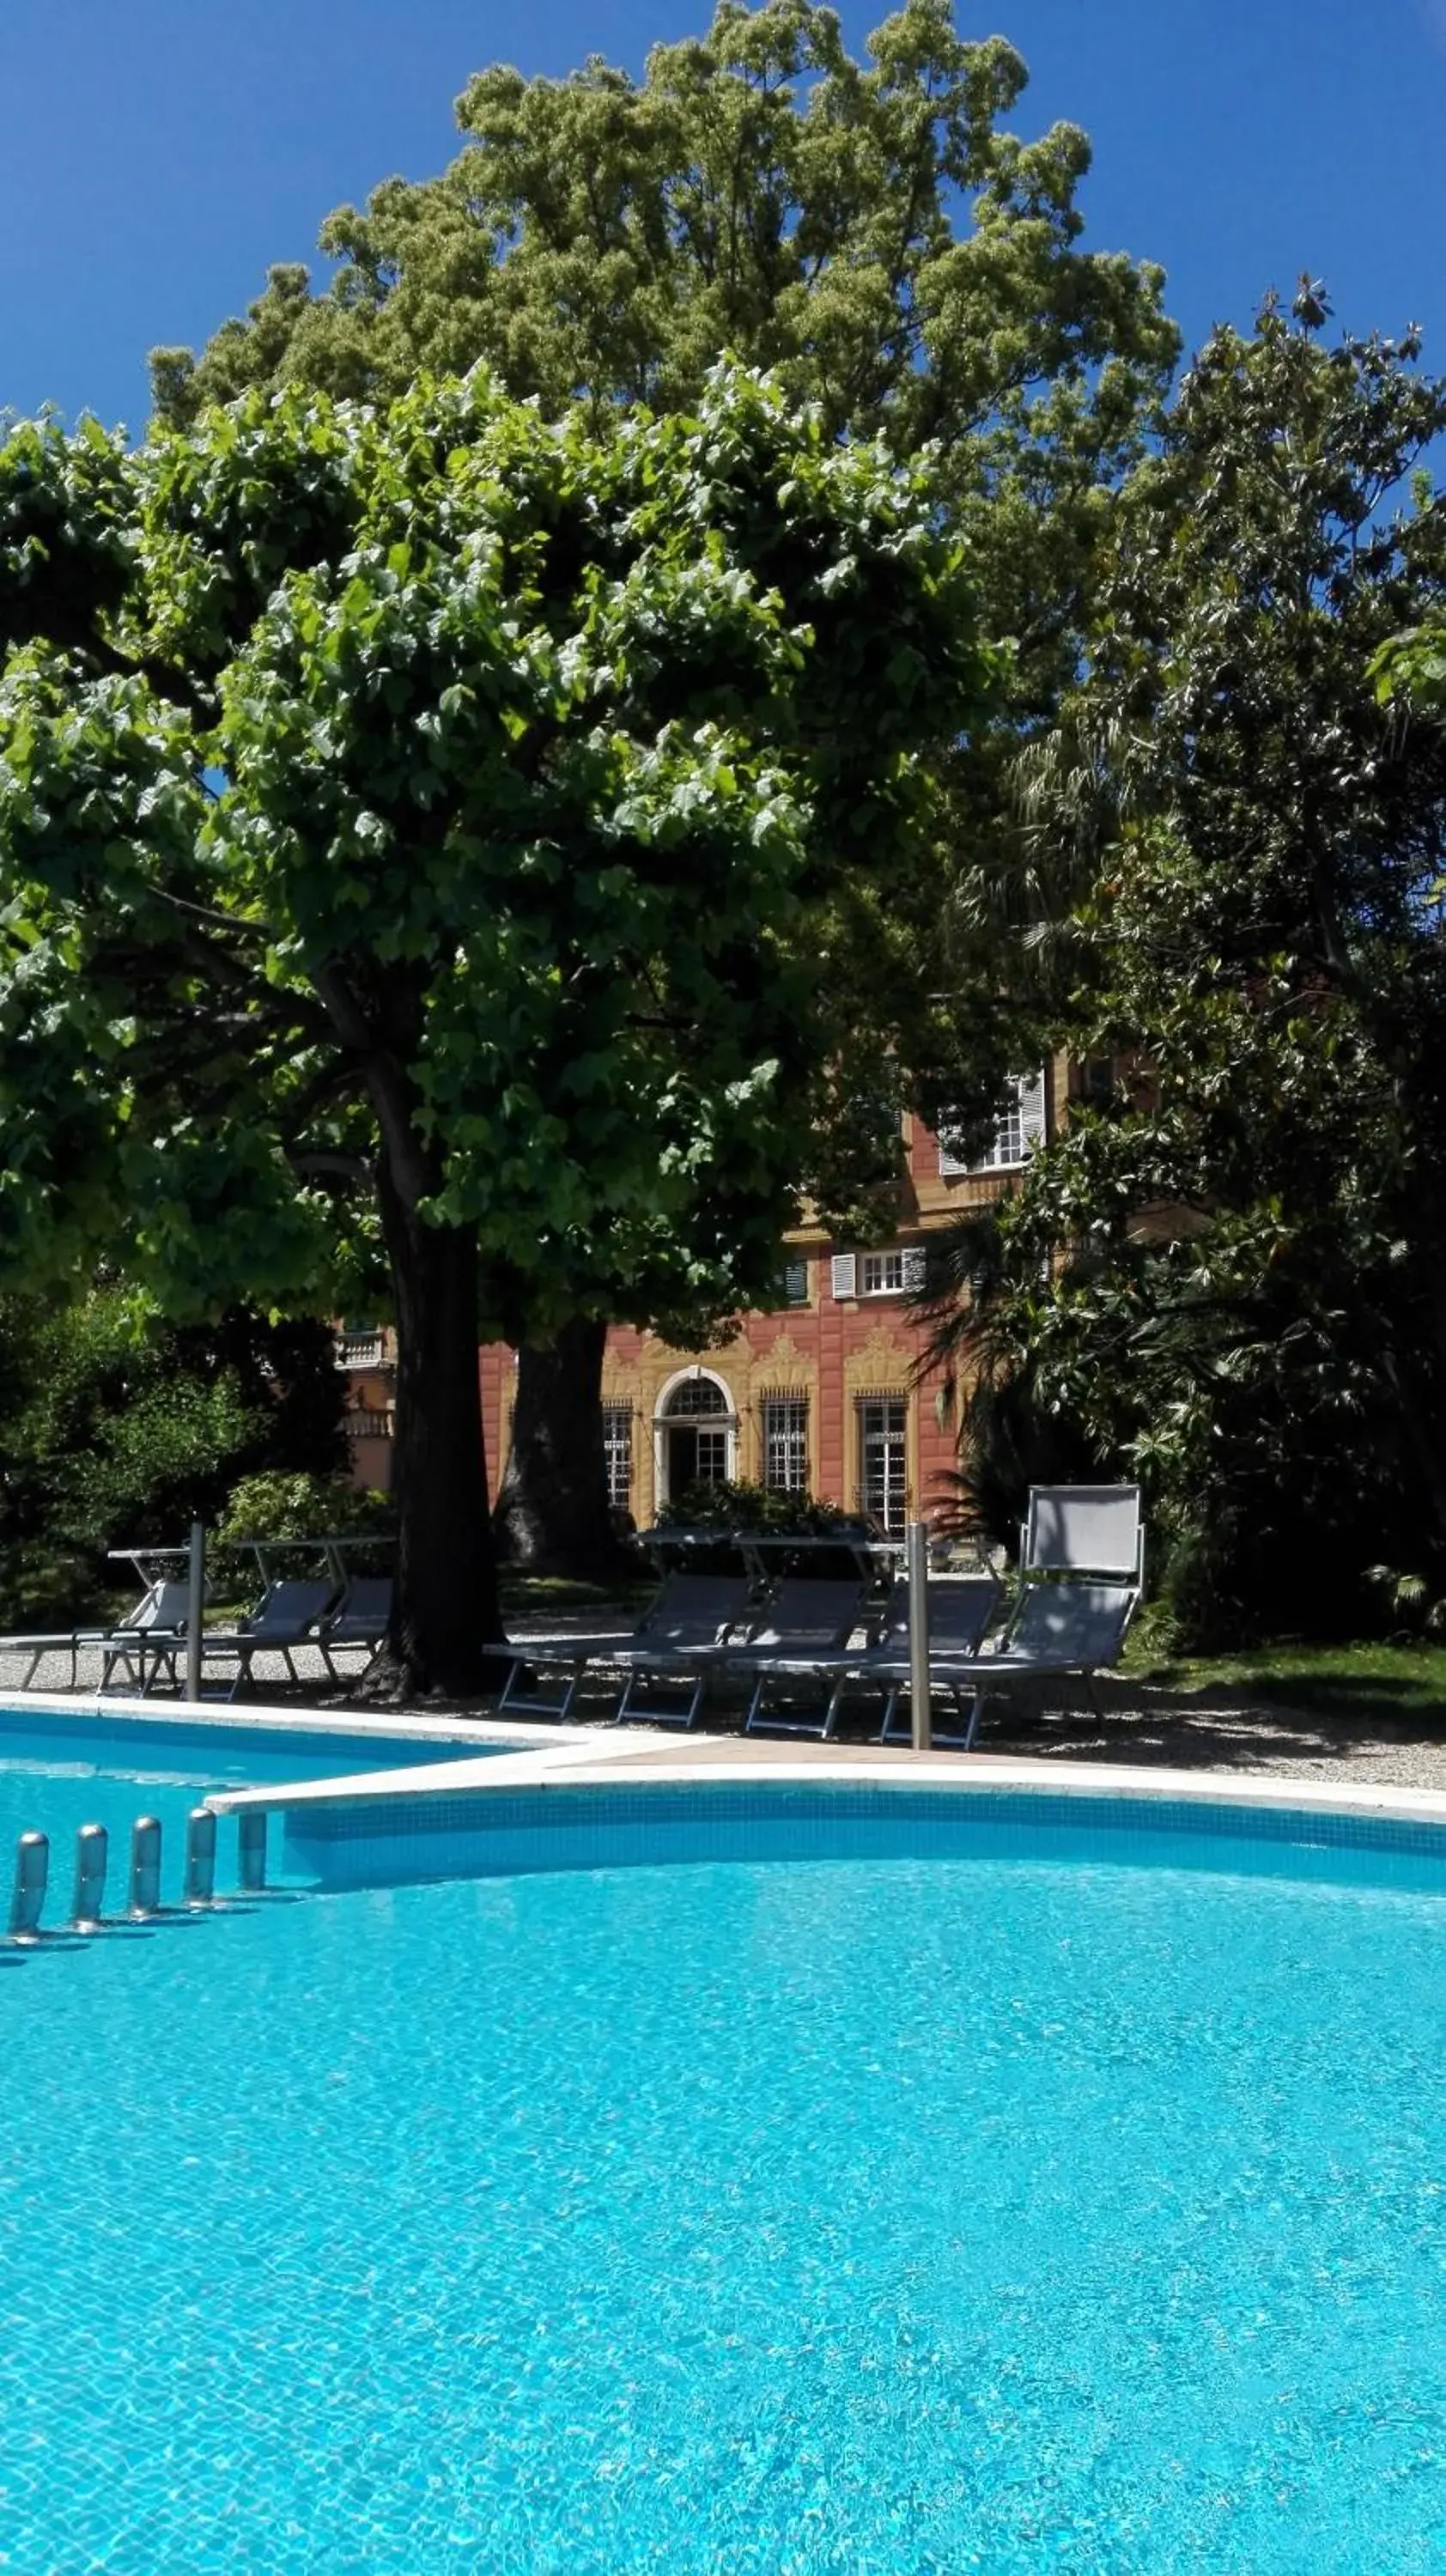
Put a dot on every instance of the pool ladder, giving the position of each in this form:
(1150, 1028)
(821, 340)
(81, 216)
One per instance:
(143, 1888)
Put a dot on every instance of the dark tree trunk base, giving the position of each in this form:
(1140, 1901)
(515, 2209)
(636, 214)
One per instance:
(552, 1513)
(446, 1609)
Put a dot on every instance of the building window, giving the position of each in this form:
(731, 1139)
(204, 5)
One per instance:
(793, 1283)
(618, 1454)
(882, 1491)
(1019, 1131)
(785, 1443)
(697, 1425)
(890, 1274)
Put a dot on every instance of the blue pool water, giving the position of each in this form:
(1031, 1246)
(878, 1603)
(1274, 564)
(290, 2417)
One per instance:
(1008, 2211)
(59, 1771)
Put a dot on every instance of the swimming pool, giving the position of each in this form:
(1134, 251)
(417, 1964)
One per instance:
(61, 1768)
(1061, 2200)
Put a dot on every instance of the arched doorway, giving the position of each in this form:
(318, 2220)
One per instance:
(696, 1432)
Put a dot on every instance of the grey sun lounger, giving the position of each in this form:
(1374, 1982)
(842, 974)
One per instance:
(1062, 1632)
(289, 1614)
(1081, 1570)
(803, 1616)
(690, 1614)
(960, 1611)
(361, 1618)
(152, 1641)
(35, 1648)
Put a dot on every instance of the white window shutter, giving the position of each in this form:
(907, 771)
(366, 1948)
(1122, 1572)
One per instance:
(1031, 1110)
(845, 1274)
(951, 1161)
(914, 1266)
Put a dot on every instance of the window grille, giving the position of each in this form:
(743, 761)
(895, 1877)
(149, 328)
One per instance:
(1018, 1133)
(695, 1395)
(883, 1491)
(785, 1443)
(618, 1454)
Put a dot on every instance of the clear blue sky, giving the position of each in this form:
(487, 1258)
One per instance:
(159, 154)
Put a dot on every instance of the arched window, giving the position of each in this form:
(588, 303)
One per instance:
(696, 1429)
(695, 1395)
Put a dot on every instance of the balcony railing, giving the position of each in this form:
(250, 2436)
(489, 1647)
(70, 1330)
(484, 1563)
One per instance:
(370, 1422)
(361, 1350)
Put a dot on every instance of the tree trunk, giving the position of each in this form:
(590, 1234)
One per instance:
(446, 1608)
(552, 1512)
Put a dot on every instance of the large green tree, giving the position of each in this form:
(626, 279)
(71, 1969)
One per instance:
(442, 805)
(871, 230)
(1230, 1274)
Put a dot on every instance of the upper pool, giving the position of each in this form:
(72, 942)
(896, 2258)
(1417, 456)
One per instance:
(63, 1768)
(1043, 2200)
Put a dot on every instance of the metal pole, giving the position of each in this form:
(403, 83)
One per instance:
(92, 1844)
(200, 1856)
(145, 1887)
(32, 1869)
(195, 1606)
(251, 1849)
(916, 1557)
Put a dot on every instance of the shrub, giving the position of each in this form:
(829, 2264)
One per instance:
(741, 1506)
(117, 1429)
(280, 1506)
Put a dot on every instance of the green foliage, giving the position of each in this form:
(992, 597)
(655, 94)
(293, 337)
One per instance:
(741, 1506)
(539, 746)
(119, 1430)
(1412, 667)
(281, 1505)
(1227, 1278)
(869, 230)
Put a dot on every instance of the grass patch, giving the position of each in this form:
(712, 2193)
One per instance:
(539, 1596)
(1366, 1681)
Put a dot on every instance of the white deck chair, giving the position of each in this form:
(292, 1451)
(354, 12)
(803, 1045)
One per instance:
(152, 1639)
(804, 1616)
(691, 1612)
(288, 1614)
(961, 1608)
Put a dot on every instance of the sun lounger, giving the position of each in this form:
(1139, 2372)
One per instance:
(690, 1612)
(62, 1641)
(1063, 1631)
(288, 1614)
(960, 1610)
(152, 1641)
(1081, 1563)
(803, 1617)
(361, 1618)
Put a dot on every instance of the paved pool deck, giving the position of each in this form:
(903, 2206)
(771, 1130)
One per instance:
(1144, 1726)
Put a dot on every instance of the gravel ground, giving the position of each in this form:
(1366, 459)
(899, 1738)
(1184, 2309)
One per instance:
(1225, 1733)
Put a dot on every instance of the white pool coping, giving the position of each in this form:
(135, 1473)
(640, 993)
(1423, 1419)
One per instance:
(553, 1756)
(598, 1758)
(247, 1716)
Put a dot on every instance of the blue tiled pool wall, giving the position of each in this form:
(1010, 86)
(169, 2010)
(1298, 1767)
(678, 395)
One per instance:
(563, 1828)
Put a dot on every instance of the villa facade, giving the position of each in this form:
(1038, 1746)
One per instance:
(820, 1395)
